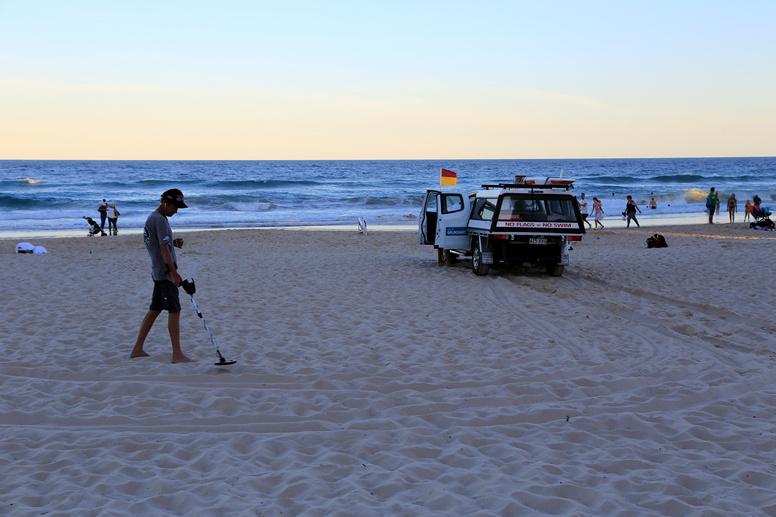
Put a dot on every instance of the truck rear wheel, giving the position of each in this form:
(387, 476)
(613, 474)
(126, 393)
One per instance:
(554, 269)
(478, 267)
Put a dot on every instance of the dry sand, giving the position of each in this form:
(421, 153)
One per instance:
(371, 381)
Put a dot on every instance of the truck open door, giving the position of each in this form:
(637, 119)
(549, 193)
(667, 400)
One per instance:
(427, 221)
(452, 220)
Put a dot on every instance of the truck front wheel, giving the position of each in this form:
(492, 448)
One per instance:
(478, 267)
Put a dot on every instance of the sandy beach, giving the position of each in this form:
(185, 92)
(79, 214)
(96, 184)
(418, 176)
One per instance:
(371, 381)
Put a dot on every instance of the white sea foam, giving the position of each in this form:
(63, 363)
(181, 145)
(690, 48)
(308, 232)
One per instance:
(257, 206)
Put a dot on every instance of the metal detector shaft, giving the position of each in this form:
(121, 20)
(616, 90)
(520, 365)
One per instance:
(208, 330)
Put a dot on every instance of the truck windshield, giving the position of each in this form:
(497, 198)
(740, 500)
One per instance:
(527, 207)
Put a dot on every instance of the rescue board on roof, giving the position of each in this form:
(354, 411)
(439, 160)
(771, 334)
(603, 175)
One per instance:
(548, 181)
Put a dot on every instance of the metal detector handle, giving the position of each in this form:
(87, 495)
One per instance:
(189, 286)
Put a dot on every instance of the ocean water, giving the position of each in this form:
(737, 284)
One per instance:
(42, 196)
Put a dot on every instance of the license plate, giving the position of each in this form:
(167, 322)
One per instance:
(538, 240)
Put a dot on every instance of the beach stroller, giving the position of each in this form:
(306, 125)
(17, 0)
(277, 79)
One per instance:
(94, 228)
(761, 215)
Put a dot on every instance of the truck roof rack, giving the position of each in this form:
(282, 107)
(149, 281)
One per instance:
(532, 186)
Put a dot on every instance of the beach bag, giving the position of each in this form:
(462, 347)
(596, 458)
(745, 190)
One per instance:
(657, 241)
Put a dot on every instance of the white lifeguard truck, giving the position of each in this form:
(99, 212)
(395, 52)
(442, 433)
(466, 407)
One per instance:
(529, 221)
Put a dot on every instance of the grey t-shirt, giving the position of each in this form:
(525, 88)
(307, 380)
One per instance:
(157, 233)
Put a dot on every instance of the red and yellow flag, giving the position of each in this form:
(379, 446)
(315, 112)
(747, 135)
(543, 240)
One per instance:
(448, 178)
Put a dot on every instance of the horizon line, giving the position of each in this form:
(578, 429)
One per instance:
(367, 159)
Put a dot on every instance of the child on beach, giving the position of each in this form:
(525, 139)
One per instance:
(747, 210)
(598, 213)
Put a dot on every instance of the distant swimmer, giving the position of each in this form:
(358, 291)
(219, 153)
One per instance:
(653, 204)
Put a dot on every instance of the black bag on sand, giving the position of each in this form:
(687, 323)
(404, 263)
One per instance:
(657, 241)
(762, 223)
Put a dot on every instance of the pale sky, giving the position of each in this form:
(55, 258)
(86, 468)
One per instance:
(261, 80)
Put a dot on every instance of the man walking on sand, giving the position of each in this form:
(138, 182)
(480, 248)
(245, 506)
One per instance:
(583, 210)
(157, 235)
(630, 212)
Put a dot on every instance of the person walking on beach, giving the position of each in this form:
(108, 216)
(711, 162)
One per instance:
(747, 210)
(711, 204)
(630, 212)
(113, 216)
(598, 213)
(583, 210)
(732, 207)
(160, 244)
(103, 209)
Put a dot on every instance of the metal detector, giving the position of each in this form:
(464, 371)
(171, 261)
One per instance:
(190, 288)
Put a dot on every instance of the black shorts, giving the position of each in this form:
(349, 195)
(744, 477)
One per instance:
(165, 297)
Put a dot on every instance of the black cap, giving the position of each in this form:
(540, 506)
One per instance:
(175, 196)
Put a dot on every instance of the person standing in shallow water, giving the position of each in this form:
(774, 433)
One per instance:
(160, 244)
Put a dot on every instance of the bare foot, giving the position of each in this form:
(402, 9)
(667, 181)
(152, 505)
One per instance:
(182, 359)
(141, 353)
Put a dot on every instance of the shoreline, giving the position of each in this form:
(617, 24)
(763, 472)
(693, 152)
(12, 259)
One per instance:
(647, 221)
